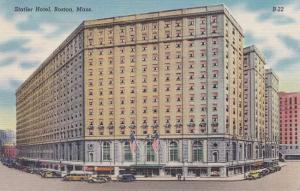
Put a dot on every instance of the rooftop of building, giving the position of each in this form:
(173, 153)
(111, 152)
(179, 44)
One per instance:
(143, 16)
(283, 93)
(271, 72)
(165, 14)
(253, 48)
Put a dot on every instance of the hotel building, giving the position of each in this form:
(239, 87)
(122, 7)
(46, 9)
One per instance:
(289, 125)
(272, 114)
(176, 73)
(254, 106)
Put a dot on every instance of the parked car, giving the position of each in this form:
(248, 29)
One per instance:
(264, 171)
(77, 176)
(126, 178)
(51, 174)
(96, 179)
(253, 175)
(27, 169)
(278, 168)
(107, 178)
(281, 160)
(272, 169)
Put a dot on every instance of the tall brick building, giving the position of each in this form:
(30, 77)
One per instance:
(289, 124)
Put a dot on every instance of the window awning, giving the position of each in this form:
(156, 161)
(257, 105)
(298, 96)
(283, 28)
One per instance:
(147, 165)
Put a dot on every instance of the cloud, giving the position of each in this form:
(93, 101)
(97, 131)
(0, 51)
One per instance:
(271, 32)
(7, 61)
(23, 50)
(29, 65)
(16, 45)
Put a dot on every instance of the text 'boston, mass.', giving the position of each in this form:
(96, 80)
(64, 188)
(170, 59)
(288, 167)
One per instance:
(52, 9)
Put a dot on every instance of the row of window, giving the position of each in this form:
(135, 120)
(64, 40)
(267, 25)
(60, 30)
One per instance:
(197, 152)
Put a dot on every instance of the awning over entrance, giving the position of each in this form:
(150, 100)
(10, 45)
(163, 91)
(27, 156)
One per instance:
(257, 163)
(103, 169)
(99, 168)
(269, 160)
(147, 166)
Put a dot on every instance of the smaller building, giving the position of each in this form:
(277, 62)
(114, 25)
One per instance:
(9, 151)
(254, 97)
(272, 114)
(289, 125)
(7, 144)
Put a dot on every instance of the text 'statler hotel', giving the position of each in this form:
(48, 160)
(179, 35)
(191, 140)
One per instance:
(160, 93)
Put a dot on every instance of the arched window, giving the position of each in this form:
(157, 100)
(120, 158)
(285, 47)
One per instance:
(215, 156)
(91, 157)
(106, 151)
(173, 151)
(127, 152)
(197, 151)
(150, 152)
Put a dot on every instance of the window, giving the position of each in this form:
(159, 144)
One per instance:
(106, 151)
(91, 155)
(233, 151)
(227, 156)
(197, 151)
(127, 152)
(173, 151)
(215, 156)
(150, 152)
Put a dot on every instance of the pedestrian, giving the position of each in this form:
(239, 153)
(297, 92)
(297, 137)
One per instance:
(179, 177)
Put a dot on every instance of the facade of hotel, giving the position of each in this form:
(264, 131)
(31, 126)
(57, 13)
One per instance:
(176, 75)
(272, 114)
(289, 125)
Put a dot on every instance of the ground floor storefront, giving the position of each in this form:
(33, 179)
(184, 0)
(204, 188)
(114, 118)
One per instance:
(188, 156)
(151, 170)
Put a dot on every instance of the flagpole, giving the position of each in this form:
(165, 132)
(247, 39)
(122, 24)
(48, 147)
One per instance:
(136, 151)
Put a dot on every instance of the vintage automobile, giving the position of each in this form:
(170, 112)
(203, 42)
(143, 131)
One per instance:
(126, 178)
(76, 176)
(272, 169)
(51, 174)
(278, 168)
(264, 171)
(252, 175)
(96, 179)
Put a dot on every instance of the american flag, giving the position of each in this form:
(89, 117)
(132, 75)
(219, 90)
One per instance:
(155, 142)
(133, 143)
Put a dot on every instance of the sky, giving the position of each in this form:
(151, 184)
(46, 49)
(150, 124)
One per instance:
(27, 38)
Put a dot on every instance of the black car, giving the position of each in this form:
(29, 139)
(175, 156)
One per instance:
(127, 178)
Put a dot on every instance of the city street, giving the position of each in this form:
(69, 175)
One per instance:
(285, 180)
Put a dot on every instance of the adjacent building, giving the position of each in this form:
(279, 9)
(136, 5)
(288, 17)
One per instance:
(272, 114)
(254, 97)
(118, 86)
(7, 143)
(289, 125)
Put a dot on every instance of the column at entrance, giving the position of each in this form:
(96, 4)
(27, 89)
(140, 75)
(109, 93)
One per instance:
(161, 172)
(116, 170)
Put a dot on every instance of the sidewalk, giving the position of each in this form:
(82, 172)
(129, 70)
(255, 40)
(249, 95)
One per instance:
(238, 177)
(168, 178)
(281, 164)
